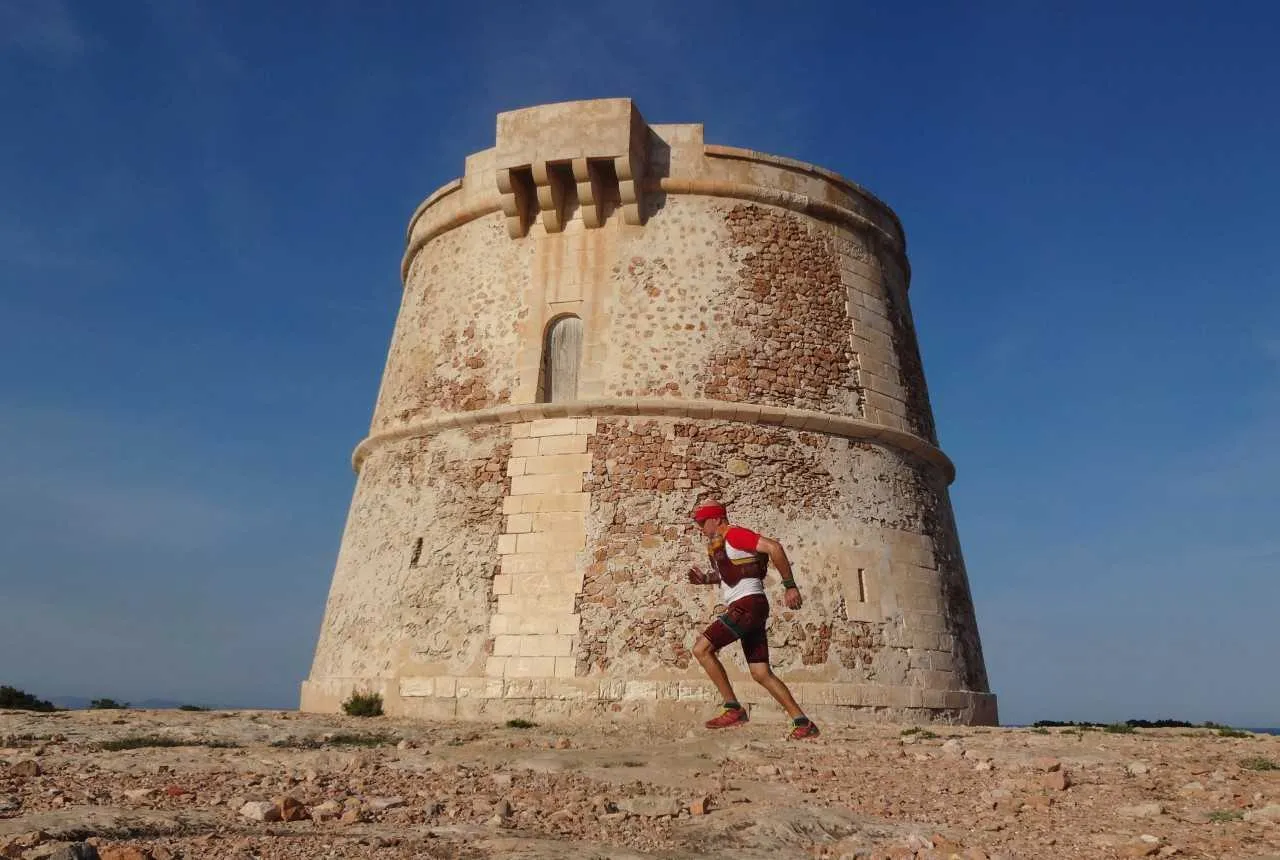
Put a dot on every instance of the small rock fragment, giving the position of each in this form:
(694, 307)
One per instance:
(260, 810)
(291, 809)
(326, 811)
(83, 851)
(382, 804)
(123, 852)
(1056, 780)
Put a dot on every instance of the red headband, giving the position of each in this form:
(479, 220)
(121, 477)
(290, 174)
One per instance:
(706, 512)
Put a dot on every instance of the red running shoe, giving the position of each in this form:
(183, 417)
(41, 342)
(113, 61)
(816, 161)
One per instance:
(808, 730)
(728, 717)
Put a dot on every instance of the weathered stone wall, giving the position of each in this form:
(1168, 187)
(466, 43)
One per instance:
(821, 498)
(747, 335)
(411, 591)
(455, 343)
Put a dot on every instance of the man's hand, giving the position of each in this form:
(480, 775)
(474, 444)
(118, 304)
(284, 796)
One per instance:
(696, 576)
(792, 598)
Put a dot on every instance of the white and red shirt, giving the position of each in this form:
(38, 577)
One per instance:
(738, 560)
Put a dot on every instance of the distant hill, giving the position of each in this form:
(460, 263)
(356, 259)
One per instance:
(78, 703)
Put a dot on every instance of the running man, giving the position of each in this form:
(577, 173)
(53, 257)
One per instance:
(739, 561)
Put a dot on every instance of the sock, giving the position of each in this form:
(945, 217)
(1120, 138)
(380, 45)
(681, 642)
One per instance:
(733, 706)
(801, 720)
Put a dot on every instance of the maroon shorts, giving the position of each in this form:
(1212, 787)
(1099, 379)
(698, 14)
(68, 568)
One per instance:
(743, 619)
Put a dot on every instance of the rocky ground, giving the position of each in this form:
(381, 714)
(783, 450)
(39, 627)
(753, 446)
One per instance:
(252, 784)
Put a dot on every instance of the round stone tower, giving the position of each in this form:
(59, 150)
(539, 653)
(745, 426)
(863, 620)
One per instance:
(603, 322)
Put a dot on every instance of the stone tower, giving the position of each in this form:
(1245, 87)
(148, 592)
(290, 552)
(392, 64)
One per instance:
(604, 321)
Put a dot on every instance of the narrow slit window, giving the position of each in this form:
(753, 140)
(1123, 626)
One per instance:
(562, 357)
(862, 585)
(416, 554)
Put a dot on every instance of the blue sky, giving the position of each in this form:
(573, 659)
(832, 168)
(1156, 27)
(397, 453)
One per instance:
(202, 210)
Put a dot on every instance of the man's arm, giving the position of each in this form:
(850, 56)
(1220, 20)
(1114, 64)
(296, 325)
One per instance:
(778, 556)
(700, 577)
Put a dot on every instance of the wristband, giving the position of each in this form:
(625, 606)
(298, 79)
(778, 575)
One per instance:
(788, 583)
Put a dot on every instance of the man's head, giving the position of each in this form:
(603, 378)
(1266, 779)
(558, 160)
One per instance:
(710, 516)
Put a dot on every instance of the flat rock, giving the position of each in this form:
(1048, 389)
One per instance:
(1269, 813)
(74, 823)
(26, 768)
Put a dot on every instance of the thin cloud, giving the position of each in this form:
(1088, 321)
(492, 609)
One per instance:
(92, 499)
(44, 29)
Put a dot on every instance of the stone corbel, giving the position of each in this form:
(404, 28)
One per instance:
(515, 188)
(590, 192)
(630, 172)
(550, 197)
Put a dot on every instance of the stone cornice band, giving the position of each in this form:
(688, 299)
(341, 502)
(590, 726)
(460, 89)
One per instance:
(801, 203)
(747, 413)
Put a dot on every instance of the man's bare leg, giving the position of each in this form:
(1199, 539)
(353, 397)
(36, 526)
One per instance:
(705, 653)
(763, 675)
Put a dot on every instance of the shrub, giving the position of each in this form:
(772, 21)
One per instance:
(1259, 763)
(107, 705)
(363, 705)
(359, 740)
(192, 708)
(1119, 729)
(16, 700)
(1226, 815)
(135, 742)
(518, 723)
(1232, 733)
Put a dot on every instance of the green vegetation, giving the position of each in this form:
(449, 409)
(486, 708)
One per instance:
(923, 734)
(1129, 725)
(518, 723)
(1226, 815)
(192, 708)
(342, 739)
(377, 739)
(16, 700)
(135, 742)
(363, 705)
(1259, 763)
(107, 705)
